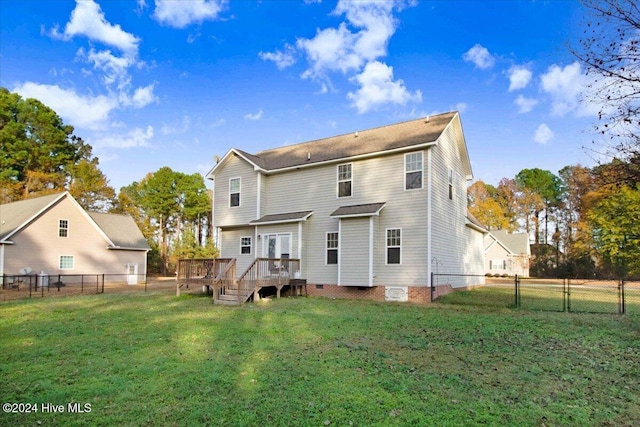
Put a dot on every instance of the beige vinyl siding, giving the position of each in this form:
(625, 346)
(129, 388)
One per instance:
(224, 215)
(473, 263)
(375, 180)
(230, 247)
(449, 241)
(39, 247)
(354, 252)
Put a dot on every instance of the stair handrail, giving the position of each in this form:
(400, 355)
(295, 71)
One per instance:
(223, 274)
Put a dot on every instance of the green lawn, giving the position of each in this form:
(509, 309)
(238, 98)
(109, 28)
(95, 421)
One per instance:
(155, 359)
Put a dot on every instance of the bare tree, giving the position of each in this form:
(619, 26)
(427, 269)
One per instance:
(610, 51)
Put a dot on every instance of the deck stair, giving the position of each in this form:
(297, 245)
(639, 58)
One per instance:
(219, 275)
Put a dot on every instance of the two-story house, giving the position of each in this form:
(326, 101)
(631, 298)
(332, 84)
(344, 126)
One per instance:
(366, 212)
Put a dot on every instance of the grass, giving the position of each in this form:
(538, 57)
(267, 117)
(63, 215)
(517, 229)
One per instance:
(154, 359)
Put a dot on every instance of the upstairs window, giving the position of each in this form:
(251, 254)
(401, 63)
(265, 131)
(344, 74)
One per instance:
(413, 171)
(63, 228)
(450, 184)
(394, 245)
(344, 180)
(245, 245)
(234, 192)
(332, 248)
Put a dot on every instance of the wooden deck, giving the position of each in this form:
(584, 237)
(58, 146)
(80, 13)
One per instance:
(219, 276)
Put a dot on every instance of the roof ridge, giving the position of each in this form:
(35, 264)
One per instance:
(427, 117)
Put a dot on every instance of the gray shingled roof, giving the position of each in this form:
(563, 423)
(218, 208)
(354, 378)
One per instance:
(13, 215)
(517, 243)
(282, 217)
(121, 229)
(385, 138)
(358, 210)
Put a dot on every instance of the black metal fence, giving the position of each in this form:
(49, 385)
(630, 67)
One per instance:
(578, 295)
(42, 285)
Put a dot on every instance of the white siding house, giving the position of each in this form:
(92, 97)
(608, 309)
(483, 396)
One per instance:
(372, 209)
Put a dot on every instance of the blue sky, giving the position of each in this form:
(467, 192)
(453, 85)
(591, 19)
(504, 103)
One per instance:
(174, 83)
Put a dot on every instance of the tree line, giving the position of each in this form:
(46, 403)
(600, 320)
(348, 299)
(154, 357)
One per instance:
(41, 155)
(582, 222)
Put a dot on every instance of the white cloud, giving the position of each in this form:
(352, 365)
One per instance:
(256, 116)
(377, 88)
(179, 14)
(88, 20)
(135, 138)
(79, 111)
(566, 87)
(281, 59)
(114, 68)
(461, 107)
(354, 49)
(524, 104)
(543, 134)
(182, 128)
(480, 57)
(144, 96)
(519, 77)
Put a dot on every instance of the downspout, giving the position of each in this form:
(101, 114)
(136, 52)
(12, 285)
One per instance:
(1, 265)
(258, 209)
(429, 203)
(339, 247)
(300, 246)
(371, 251)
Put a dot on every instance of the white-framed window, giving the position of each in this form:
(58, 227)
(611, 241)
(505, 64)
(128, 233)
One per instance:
(66, 262)
(234, 192)
(394, 246)
(345, 180)
(497, 264)
(332, 248)
(245, 245)
(450, 184)
(63, 228)
(413, 171)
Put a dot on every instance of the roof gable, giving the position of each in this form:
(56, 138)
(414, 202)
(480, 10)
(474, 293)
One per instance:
(371, 142)
(119, 231)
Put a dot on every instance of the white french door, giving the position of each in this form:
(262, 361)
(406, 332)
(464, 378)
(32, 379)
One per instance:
(276, 245)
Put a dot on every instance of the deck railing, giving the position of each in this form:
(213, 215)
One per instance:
(267, 272)
(201, 272)
(220, 275)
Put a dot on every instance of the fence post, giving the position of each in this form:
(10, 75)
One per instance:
(568, 295)
(621, 296)
(516, 299)
(102, 284)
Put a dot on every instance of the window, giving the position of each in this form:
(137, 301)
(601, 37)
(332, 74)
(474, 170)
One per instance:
(234, 192)
(344, 180)
(497, 264)
(245, 245)
(63, 228)
(332, 248)
(450, 184)
(413, 171)
(394, 245)
(66, 262)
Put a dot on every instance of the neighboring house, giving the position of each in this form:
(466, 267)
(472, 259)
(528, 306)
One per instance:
(506, 253)
(55, 235)
(366, 212)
